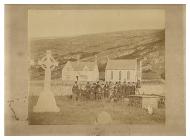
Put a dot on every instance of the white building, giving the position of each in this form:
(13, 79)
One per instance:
(128, 70)
(80, 71)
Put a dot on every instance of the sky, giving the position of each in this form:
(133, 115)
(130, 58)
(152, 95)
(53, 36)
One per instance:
(66, 23)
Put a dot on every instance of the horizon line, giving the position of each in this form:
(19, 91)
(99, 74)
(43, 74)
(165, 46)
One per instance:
(55, 37)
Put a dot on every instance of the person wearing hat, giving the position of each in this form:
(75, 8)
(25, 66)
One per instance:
(119, 90)
(75, 91)
(87, 90)
(124, 89)
(133, 88)
(98, 91)
(106, 90)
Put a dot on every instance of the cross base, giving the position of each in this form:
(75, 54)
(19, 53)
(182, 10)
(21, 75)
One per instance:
(46, 102)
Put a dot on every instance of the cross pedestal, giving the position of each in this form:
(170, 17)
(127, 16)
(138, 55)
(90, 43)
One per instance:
(46, 101)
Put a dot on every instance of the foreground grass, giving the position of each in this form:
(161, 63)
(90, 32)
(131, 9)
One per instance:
(85, 112)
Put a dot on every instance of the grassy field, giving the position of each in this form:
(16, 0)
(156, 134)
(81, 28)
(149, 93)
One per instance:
(86, 112)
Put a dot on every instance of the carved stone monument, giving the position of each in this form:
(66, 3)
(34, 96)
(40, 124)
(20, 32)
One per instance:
(46, 101)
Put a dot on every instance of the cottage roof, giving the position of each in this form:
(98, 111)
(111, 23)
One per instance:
(121, 64)
(79, 66)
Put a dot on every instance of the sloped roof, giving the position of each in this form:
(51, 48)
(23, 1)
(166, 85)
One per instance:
(121, 64)
(79, 66)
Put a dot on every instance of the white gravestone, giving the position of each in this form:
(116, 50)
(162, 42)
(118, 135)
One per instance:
(103, 118)
(46, 101)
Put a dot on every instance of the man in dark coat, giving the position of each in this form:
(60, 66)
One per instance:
(106, 90)
(128, 89)
(124, 89)
(119, 90)
(75, 91)
(98, 91)
(87, 90)
(133, 88)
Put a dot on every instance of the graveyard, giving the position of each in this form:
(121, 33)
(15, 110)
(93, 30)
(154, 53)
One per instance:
(85, 112)
(51, 102)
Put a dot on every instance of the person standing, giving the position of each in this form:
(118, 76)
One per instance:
(119, 90)
(133, 88)
(75, 91)
(106, 90)
(128, 89)
(98, 91)
(124, 87)
(87, 90)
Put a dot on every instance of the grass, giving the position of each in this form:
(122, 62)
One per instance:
(85, 113)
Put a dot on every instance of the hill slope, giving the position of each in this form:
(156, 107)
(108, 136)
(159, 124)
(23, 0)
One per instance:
(146, 44)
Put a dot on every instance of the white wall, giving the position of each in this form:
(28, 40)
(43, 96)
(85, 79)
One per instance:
(133, 75)
(71, 75)
(68, 74)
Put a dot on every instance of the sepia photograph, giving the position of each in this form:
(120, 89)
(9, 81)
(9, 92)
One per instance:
(96, 66)
(95, 70)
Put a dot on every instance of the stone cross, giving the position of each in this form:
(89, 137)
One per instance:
(46, 101)
(48, 63)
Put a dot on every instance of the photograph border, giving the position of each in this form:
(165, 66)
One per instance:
(16, 50)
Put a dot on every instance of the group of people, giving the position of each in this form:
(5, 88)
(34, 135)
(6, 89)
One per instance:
(108, 90)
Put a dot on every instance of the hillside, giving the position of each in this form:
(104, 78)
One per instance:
(149, 45)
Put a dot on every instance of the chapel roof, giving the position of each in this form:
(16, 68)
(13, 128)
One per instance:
(122, 64)
(79, 66)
